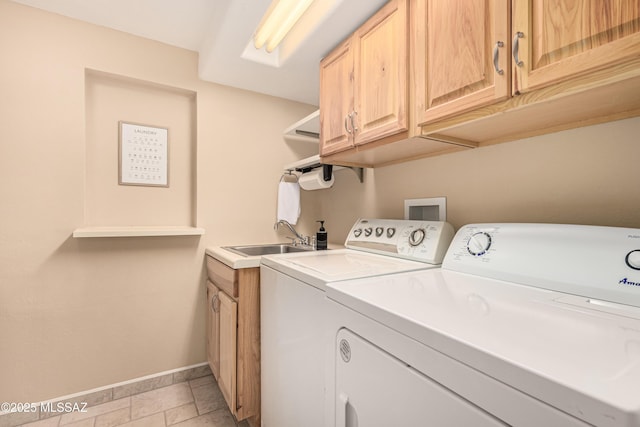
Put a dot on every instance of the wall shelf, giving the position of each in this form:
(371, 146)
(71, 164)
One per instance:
(137, 231)
(308, 130)
(305, 130)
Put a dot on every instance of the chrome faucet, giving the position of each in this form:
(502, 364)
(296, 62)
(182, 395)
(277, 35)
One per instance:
(302, 239)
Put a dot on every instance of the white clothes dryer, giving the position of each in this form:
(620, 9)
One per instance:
(294, 343)
(524, 325)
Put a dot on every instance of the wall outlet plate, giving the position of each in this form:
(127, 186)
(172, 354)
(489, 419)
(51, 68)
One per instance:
(429, 209)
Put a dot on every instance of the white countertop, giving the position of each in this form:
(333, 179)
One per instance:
(232, 259)
(237, 261)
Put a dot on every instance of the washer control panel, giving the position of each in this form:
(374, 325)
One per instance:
(424, 241)
(602, 263)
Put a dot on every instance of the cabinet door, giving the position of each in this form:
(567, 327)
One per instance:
(213, 329)
(455, 44)
(563, 39)
(228, 354)
(381, 59)
(336, 100)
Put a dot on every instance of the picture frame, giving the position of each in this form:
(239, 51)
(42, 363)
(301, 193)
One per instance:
(143, 155)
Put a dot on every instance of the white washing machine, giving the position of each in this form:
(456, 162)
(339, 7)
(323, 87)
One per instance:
(524, 325)
(294, 341)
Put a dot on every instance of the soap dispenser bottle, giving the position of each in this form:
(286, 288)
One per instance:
(321, 237)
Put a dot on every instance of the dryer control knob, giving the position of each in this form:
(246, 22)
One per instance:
(633, 259)
(479, 243)
(357, 232)
(417, 236)
(379, 231)
(368, 231)
(390, 232)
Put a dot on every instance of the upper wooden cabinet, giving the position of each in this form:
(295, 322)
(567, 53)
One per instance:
(467, 51)
(336, 99)
(556, 40)
(363, 83)
(571, 63)
(381, 74)
(479, 72)
(461, 55)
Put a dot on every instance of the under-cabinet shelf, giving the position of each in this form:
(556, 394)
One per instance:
(305, 130)
(137, 231)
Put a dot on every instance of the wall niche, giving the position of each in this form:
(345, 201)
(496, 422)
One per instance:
(112, 209)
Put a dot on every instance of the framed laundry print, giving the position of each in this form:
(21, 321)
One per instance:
(143, 155)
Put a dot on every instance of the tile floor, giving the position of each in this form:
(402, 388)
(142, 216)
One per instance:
(193, 403)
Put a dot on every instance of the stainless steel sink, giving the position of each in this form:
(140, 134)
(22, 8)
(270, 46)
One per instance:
(259, 250)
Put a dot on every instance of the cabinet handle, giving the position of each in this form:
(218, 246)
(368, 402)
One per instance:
(353, 122)
(496, 57)
(515, 48)
(213, 303)
(346, 125)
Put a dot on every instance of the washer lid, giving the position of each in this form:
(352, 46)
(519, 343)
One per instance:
(580, 359)
(320, 267)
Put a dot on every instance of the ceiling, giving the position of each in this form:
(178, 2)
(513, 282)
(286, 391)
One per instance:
(221, 31)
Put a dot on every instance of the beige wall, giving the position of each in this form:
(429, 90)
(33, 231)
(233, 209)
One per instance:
(82, 313)
(76, 314)
(581, 176)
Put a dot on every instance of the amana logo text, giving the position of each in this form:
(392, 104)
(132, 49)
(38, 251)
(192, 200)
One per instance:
(626, 281)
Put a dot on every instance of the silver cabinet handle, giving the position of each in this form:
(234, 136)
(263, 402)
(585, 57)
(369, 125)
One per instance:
(515, 48)
(496, 57)
(353, 123)
(346, 125)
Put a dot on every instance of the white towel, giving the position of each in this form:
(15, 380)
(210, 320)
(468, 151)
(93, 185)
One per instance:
(288, 202)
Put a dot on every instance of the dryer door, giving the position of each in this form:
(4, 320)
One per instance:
(373, 388)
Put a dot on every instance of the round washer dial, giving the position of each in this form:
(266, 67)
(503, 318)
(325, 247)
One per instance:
(479, 243)
(633, 259)
(417, 236)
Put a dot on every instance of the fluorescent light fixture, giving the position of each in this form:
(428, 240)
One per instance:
(278, 21)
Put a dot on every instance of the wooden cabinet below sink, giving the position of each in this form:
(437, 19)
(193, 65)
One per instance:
(233, 336)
